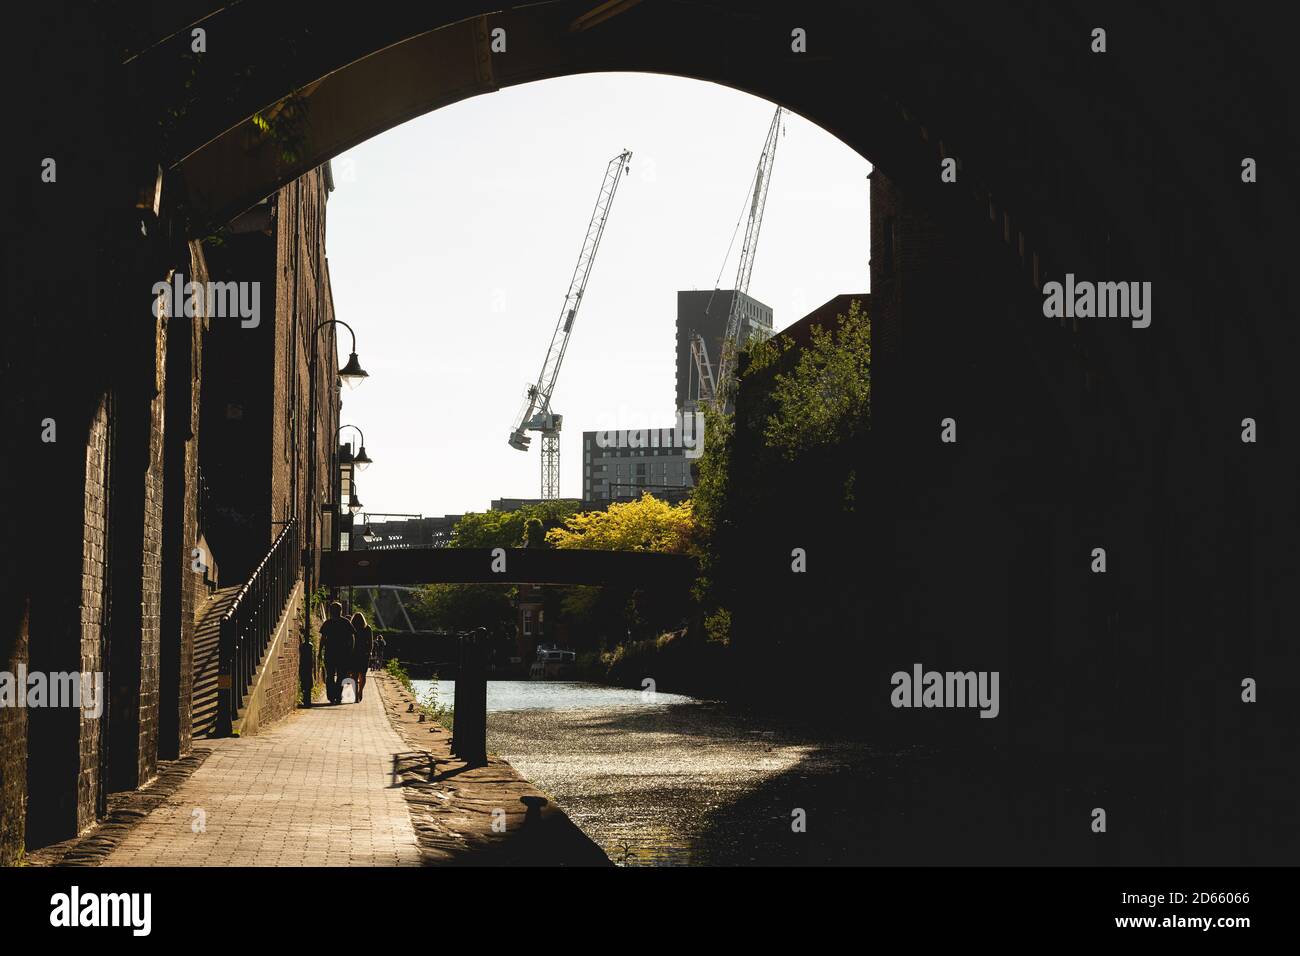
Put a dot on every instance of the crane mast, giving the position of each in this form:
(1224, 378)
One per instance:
(714, 387)
(536, 414)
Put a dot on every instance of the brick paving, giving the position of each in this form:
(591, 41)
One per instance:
(316, 789)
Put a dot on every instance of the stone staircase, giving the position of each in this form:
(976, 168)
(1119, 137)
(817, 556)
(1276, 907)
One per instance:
(207, 660)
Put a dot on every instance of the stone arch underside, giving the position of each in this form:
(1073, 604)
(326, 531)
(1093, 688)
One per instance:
(1046, 154)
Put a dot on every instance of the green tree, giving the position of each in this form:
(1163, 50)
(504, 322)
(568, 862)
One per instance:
(647, 524)
(813, 402)
(825, 399)
(534, 533)
(709, 498)
(507, 529)
(459, 607)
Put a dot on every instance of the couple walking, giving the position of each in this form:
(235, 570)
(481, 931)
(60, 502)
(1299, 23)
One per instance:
(345, 646)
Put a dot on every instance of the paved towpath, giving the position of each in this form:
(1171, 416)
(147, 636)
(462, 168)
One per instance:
(316, 789)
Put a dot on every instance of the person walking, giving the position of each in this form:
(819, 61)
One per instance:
(337, 646)
(361, 655)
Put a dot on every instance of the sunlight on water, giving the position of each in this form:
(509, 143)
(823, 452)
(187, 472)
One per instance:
(654, 784)
(552, 695)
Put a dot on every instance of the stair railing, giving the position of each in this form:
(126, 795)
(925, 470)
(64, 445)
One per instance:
(249, 623)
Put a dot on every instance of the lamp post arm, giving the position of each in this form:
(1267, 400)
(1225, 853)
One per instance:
(342, 323)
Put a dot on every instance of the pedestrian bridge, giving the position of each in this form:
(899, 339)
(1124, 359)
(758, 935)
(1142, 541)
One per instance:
(506, 565)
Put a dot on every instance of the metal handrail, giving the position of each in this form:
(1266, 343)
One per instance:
(249, 623)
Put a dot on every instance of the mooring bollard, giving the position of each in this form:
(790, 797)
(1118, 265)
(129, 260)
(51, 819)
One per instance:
(469, 738)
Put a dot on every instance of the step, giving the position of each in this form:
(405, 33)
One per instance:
(207, 661)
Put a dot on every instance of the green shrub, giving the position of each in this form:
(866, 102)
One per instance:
(427, 703)
(591, 666)
(429, 706)
(398, 672)
(677, 662)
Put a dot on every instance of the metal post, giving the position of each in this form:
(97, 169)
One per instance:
(469, 739)
(225, 679)
(456, 737)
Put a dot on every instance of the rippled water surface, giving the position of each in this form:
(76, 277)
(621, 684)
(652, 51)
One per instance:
(670, 780)
(551, 695)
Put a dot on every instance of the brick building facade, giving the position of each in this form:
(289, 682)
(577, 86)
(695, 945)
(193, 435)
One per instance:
(145, 405)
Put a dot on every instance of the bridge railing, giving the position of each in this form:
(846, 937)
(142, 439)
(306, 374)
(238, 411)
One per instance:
(249, 624)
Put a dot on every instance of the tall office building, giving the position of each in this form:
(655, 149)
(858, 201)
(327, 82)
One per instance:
(622, 465)
(706, 313)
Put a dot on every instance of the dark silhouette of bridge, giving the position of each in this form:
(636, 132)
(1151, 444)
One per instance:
(506, 565)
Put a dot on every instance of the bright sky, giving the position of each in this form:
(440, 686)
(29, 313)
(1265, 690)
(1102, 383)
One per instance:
(452, 240)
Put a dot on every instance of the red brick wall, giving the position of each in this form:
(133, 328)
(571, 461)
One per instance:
(13, 759)
(302, 303)
(124, 439)
(94, 568)
(180, 582)
(151, 565)
(136, 545)
(281, 695)
(62, 632)
(191, 582)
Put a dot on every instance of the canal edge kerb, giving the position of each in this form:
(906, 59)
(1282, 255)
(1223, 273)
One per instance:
(474, 816)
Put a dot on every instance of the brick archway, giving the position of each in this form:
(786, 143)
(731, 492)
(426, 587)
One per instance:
(1122, 166)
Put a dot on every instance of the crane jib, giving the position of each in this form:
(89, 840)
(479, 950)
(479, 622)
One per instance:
(539, 395)
(709, 382)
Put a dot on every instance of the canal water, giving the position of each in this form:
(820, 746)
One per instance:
(664, 780)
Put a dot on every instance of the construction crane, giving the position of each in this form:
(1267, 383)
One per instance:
(537, 415)
(714, 388)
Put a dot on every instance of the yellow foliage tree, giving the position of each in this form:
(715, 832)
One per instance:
(644, 525)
